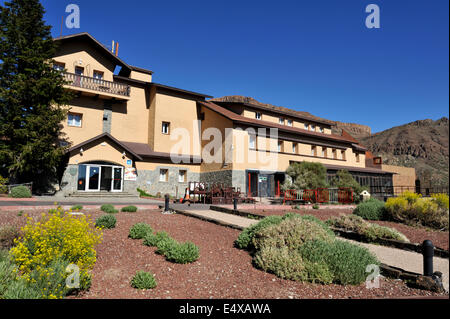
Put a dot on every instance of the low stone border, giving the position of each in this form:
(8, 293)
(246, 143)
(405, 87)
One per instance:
(211, 220)
(236, 212)
(415, 280)
(438, 252)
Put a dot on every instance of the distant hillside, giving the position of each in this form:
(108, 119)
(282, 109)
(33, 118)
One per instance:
(421, 144)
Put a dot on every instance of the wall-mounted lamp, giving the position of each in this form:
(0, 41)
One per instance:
(124, 154)
(81, 151)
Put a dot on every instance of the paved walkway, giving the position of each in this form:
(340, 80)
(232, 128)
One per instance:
(406, 260)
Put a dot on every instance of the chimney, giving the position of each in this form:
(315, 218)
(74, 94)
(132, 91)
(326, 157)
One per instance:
(112, 47)
(117, 49)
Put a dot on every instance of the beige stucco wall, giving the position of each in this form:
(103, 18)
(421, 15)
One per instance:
(151, 165)
(405, 176)
(136, 75)
(181, 113)
(91, 123)
(84, 55)
(214, 120)
(100, 151)
(244, 158)
(276, 119)
(130, 119)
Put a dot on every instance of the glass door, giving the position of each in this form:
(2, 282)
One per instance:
(117, 180)
(93, 181)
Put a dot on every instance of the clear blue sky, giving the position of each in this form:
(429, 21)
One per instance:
(314, 55)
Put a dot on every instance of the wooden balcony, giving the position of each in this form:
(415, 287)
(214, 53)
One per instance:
(96, 87)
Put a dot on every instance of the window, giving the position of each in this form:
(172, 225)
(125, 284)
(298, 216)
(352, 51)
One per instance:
(343, 155)
(98, 75)
(252, 141)
(306, 126)
(324, 152)
(357, 158)
(163, 175)
(313, 128)
(294, 147)
(79, 70)
(290, 123)
(58, 66)
(334, 154)
(281, 121)
(258, 115)
(166, 128)
(280, 146)
(313, 151)
(322, 130)
(74, 119)
(182, 176)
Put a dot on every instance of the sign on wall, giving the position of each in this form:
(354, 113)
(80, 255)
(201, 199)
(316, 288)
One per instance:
(130, 174)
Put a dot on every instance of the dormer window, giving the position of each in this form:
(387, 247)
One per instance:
(258, 115)
(281, 121)
(290, 122)
(58, 66)
(322, 130)
(306, 126)
(313, 128)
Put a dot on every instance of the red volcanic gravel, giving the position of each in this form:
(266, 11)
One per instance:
(222, 271)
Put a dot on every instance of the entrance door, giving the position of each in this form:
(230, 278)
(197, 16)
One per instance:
(117, 181)
(264, 187)
(105, 183)
(93, 178)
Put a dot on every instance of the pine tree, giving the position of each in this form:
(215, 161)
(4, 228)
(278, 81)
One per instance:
(32, 97)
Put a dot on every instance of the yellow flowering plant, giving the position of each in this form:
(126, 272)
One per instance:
(57, 237)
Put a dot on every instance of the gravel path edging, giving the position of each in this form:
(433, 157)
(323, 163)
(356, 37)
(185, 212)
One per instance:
(414, 247)
(211, 220)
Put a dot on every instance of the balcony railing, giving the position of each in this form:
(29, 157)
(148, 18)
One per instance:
(94, 84)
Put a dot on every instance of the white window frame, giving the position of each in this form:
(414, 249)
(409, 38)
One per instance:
(281, 121)
(290, 122)
(163, 130)
(258, 115)
(306, 126)
(313, 127)
(166, 175)
(73, 122)
(252, 141)
(182, 174)
(294, 148)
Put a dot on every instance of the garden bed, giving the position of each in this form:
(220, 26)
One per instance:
(222, 271)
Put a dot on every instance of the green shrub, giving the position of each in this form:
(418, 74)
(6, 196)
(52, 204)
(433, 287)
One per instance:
(106, 221)
(139, 231)
(143, 280)
(153, 239)
(315, 206)
(3, 186)
(77, 207)
(346, 262)
(182, 253)
(244, 241)
(20, 289)
(108, 208)
(7, 236)
(7, 275)
(129, 209)
(143, 193)
(4, 255)
(20, 192)
(372, 209)
(282, 262)
(292, 233)
(370, 231)
(165, 244)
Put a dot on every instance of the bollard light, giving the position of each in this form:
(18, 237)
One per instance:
(428, 253)
(235, 203)
(166, 204)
